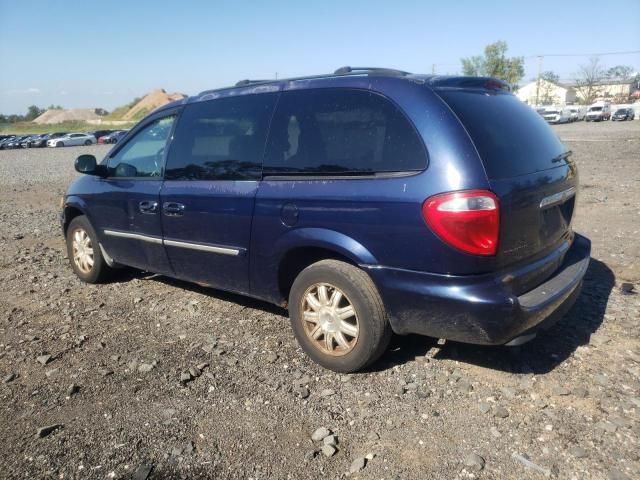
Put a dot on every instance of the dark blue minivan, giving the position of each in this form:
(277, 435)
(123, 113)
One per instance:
(367, 202)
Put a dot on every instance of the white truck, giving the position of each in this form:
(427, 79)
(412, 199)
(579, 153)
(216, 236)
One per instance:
(598, 111)
(557, 115)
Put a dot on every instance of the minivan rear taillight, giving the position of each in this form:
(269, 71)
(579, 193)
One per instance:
(467, 220)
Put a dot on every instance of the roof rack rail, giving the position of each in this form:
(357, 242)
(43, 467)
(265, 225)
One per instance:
(340, 72)
(359, 70)
(244, 83)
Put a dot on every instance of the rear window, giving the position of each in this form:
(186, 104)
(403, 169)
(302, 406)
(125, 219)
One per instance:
(341, 131)
(511, 138)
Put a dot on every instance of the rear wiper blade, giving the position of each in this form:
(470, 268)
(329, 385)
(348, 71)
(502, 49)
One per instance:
(562, 156)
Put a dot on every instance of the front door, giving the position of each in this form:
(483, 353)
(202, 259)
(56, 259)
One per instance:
(207, 199)
(127, 202)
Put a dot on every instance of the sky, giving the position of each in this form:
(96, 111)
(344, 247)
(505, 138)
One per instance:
(82, 54)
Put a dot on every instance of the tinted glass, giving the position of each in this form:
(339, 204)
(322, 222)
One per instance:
(510, 137)
(221, 139)
(142, 155)
(331, 131)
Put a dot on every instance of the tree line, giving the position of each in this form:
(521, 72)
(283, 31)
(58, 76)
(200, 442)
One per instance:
(495, 63)
(33, 112)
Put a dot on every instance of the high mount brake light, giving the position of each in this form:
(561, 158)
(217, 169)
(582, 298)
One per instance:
(468, 220)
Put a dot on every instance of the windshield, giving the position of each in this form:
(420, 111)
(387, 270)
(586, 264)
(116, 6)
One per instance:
(595, 109)
(622, 111)
(552, 112)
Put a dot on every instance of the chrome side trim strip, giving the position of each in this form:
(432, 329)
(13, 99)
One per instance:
(557, 198)
(174, 243)
(134, 236)
(202, 248)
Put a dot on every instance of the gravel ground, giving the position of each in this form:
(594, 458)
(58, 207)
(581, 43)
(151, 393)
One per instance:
(91, 375)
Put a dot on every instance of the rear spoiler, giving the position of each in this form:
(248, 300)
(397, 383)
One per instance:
(488, 83)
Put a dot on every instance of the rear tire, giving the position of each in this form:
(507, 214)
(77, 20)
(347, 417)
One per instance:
(338, 317)
(83, 250)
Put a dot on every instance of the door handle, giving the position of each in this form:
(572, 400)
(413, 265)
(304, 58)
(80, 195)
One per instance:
(173, 209)
(148, 207)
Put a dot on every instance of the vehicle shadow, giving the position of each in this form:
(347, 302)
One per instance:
(241, 300)
(541, 355)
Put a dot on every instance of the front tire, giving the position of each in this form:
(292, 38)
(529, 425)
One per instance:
(59, 144)
(84, 252)
(338, 317)
(87, 142)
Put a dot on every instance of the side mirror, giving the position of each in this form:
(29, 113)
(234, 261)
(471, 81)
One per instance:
(86, 164)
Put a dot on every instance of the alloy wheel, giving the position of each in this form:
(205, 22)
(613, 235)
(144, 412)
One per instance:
(82, 249)
(329, 319)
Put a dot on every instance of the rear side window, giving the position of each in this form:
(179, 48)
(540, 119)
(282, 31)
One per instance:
(221, 139)
(339, 131)
(511, 138)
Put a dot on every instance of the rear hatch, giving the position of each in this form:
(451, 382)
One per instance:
(527, 166)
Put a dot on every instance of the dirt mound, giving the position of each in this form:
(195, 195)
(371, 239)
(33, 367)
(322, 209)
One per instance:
(150, 102)
(74, 114)
(46, 116)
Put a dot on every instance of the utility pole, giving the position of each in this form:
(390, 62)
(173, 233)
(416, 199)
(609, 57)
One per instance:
(540, 57)
(433, 69)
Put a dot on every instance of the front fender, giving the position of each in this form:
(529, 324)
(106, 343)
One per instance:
(73, 202)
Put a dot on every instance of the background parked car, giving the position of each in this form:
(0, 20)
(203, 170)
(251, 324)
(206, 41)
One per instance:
(557, 115)
(598, 111)
(623, 114)
(576, 113)
(72, 139)
(5, 141)
(15, 142)
(26, 142)
(113, 137)
(39, 141)
(100, 133)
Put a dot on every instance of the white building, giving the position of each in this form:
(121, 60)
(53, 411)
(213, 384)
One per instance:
(545, 92)
(620, 91)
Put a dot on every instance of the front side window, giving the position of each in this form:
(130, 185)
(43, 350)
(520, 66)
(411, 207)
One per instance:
(221, 139)
(142, 155)
(331, 131)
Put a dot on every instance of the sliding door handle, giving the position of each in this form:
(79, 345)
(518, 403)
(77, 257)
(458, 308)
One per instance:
(173, 209)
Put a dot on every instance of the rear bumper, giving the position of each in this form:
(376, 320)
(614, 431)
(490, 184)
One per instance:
(483, 309)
